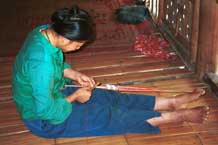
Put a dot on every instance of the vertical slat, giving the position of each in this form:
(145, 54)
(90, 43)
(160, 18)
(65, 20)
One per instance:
(195, 31)
(215, 37)
(161, 11)
(178, 18)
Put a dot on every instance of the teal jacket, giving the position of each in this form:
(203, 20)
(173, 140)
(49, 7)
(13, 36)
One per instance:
(37, 80)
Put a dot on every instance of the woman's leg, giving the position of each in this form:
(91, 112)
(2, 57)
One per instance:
(141, 102)
(99, 120)
(117, 99)
(194, 115)
(136, 101)
(178, 102)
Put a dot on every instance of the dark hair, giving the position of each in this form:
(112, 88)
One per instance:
(74, 24)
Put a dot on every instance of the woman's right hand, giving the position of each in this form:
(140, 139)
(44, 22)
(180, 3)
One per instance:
(81, 95)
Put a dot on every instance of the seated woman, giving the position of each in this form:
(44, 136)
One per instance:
(40, 73)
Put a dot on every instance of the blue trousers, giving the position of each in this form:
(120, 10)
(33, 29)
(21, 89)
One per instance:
(106, 113)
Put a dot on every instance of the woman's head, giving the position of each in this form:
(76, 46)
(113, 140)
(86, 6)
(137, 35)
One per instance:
(73, 24)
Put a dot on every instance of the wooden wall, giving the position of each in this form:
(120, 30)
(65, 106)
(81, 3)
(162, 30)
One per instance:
(18, 18)
(180, 20)
(7, 25)
(203, 48)
(208, 38)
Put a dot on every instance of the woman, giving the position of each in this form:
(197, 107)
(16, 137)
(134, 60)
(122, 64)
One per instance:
(39, 74)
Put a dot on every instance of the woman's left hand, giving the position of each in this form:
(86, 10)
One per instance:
(84, 80)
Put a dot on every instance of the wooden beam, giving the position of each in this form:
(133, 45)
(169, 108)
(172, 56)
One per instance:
(195, 31)
(161, 11)
(205, 38)
(215, 37)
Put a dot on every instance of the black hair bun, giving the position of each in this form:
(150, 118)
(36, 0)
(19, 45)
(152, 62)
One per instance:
(74, 11)
(73, 24)
(69, 16)
(60, 15)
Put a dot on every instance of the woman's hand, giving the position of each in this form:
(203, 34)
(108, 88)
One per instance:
(81, 95)
(84, 80)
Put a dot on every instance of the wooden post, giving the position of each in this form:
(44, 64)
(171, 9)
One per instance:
(195, 31)
(161, 11)
(207, 54)
(215, 37)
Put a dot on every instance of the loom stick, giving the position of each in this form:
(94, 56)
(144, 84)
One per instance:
(131, 89)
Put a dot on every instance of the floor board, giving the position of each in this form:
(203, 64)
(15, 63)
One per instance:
(209, 138)
(25, 139)
(111, 60)
(172, 140)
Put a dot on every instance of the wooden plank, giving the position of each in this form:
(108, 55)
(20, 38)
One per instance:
(175, 82)
(5, 74)
(167, 130)
(13, 130)
(99, 51)
(195, 31)
(77, 57)
(141, 77)
(209, 138)
(161, 11)
(131, 69)
(215, 37)
(5, 93)
(112, 62)
(9, 114)
(25, 139)
(108, 140)
(173, 140)
(206, 51)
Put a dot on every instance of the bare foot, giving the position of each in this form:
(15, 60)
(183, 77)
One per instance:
(178, 102)
(182, 100)
(194, 115)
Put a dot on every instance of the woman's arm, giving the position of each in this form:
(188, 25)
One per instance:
(46, 106)
(81, 78)
(81, 95)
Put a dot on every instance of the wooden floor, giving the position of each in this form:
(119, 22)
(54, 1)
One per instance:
(118, 64)
(127, 68)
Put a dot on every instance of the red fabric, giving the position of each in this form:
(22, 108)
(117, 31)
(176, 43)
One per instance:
(152, 46)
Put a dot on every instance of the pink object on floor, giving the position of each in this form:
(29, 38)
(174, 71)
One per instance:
(152, 46)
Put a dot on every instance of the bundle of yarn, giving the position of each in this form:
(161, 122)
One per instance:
(153, 46)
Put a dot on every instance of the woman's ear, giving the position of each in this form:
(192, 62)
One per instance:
(63, 41)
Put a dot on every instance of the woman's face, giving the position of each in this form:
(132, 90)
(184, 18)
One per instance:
(67, 45)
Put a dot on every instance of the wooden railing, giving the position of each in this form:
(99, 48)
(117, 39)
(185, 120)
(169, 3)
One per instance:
(180, 19)
(153, 6)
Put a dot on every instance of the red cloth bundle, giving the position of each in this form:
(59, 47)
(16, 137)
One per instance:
(152, 46)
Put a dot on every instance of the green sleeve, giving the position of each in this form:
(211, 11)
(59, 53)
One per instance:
(66, 65)
(48, 105)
